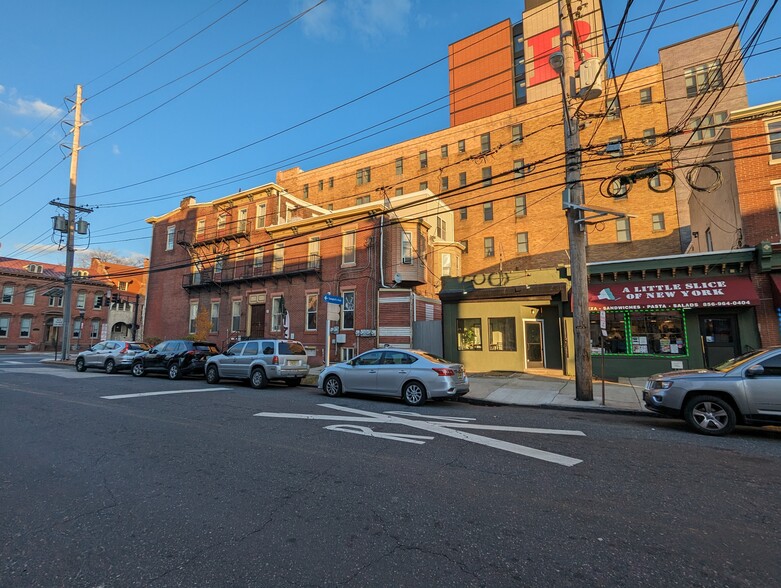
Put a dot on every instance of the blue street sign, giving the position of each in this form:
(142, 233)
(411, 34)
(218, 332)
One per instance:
(333, 299)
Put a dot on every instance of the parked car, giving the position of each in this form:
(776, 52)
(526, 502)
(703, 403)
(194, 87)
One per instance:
(260, 361)
(745, 390)
(110, 356)
(176, 358)
(411, 375)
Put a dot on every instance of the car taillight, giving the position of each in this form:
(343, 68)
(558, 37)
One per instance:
(191, 352)
(444, 371)
(275, 360)
(125, 349)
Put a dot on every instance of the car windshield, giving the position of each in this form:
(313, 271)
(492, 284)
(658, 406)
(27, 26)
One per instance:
(291, 348)
(731, 364)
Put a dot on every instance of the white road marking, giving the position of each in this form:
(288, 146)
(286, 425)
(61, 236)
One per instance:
(430, 417)
(53, 371)
(163, 393)
(11, 362)
(358, 430)
(444, 429)
(513, 429)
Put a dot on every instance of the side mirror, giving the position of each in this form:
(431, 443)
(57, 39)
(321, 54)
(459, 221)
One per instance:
(754, 371)
(152, 351)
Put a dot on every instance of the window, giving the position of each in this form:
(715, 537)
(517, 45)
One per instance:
(399, 191)
(487, 176)
(348, 248)
(655, 181)
(29, 295)
(200, 228)
(241, 226)
(646, 96)
(519, 169)
(649, 136)
(623, 230)
(219, 263)
(77, 328)
(470, 334)
(331, 182)
(406, 247)
(517, 133)
(423, 156)
(778, 206)
(5, 323)
(290, 212)
(94, 330)
(447, 264)
(320, 185)
(443, 151)
(277, 313)
(305, 192)
(222, 221)
(81, 299)
(193, 317)
(215, 317)
(462, 146)
(465, 245)
(501, 332)
(169, 237)
(707, 127)
(313, 252)
(363, 176)
(363, 199)
(399, 166)
(444, 184)
(257, 258)
(615, 146)
(615, 342)
(25, 326)
(260, 216)
(522, 242)
(461, 179)
(441, 228)
(485, 142)
(657, 221)
(488, 247)
(520, 206)
(774, 135)
(55, 299)
(235, 315)
(656, 333)
(123, 286)
(703, 78)
(708, 239)
(423, 186)
(612, 108)
(348, 310)
(488, 211)
(463, 212)
(278, 261)
(311, 312)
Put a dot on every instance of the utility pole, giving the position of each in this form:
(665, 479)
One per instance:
(70, 245)
(564, 64)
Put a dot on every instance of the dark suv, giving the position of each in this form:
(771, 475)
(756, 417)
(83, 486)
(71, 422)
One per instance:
(176, 358)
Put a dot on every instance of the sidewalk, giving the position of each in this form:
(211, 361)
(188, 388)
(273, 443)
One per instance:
(544, 388)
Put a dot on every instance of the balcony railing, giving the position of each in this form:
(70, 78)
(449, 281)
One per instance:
(247, 271)
(231, 231)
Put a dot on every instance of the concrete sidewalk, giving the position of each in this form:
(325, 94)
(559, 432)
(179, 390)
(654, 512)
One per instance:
(544, 388)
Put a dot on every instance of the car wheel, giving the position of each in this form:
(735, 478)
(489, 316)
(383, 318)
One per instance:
(710, 415)
(414, 394)
(80, 365)
(174, 372)
(111, 367)
(138, 369)
(258, 379)
(212, 375)
(332, 386)
(293, 382)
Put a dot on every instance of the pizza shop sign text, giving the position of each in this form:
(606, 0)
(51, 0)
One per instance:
(685, 290)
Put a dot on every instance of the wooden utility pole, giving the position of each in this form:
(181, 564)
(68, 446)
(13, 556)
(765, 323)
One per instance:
(576, 226)
(70, 241)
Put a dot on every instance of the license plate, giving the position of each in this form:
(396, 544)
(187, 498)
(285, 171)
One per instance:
(293, 362)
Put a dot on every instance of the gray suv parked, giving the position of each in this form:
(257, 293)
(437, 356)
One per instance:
(745, 390)
(260, 361)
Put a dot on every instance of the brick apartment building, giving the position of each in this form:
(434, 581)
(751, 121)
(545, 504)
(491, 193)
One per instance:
(127, 297)
(258, 263)
(32, 295)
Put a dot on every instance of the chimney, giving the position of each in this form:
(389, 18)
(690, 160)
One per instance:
(187, 202)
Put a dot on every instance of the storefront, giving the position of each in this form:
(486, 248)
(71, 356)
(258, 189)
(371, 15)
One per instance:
(643, 326)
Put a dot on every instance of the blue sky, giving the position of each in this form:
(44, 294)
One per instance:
(190, 105)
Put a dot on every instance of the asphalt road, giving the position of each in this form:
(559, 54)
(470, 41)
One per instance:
(229, 486)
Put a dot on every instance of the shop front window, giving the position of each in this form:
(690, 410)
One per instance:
(470, 335)
(640, 333)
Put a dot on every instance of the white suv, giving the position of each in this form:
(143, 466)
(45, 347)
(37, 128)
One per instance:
(260, 361)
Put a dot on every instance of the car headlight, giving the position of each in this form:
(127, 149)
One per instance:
(661, 384)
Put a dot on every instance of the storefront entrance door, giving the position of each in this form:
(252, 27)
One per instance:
(533, 337)
(720, 340)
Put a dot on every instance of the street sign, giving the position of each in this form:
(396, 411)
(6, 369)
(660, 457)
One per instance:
(58, 322)
(333, 299)
(602, 320)
(333, 311)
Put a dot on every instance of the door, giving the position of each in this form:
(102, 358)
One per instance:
(764, 390)
(720, 340)
(257, 321)
(393, 371)
(228, 362)
(535, 357)
(241, 363)
(361, 376)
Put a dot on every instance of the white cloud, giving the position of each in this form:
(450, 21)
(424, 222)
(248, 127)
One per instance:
(368, 19)
(36, 249)
(2, 89)
(320, 22)
(115, 150)
(28, 108)
(18, 133)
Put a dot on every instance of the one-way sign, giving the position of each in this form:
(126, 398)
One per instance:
(333, 299)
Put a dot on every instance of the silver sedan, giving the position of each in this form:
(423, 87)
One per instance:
(412, 375)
